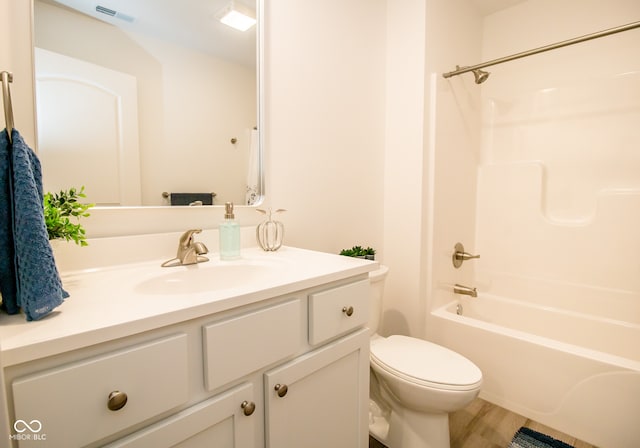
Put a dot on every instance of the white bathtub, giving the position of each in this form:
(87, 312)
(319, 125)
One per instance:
(572, 371)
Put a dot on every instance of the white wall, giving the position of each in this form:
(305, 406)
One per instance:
(325, 121)
(403, 167)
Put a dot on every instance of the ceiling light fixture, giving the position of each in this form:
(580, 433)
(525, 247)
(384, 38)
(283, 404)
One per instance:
(237, 16)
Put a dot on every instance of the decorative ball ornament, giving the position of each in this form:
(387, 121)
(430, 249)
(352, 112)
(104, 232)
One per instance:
(270, 233)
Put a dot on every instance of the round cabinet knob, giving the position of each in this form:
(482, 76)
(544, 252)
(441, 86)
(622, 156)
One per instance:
(248, 406)
(281, 389)
(348, 310)
(117, 400)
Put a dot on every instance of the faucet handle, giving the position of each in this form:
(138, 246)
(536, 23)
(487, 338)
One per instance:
(464, 256)
(187, 237)
(460, 256)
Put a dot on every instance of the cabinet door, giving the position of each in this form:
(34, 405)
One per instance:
(227, 420)
(320, 399)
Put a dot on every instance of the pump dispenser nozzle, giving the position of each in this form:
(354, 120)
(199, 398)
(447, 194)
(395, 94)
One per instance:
(228, 211)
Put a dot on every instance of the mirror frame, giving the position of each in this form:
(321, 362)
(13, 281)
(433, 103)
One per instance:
(108, 221)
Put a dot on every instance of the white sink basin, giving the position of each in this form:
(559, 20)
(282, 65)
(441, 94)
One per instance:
(210, 276)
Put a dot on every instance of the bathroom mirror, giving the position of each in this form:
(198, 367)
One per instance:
(148, 102)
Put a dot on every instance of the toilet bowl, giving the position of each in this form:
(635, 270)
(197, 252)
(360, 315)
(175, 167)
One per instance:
(415, 384)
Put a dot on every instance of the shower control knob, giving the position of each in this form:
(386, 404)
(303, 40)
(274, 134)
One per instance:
(460, 256)
(348, 310)
(281, 389)
(465, 256)
(248, 407)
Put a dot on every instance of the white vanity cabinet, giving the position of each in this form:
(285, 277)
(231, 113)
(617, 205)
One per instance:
(320, 399)
(285, 371)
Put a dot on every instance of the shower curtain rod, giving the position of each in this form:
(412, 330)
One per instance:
(523, 54)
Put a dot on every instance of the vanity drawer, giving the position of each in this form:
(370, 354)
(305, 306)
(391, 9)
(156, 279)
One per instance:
(338, 310)
(69, 405)
(238, 346)
(225, 420)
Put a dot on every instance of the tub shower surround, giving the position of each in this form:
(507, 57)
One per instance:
(559, 300)
(556, 324)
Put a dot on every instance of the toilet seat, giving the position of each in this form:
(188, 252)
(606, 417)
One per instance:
(425, 363)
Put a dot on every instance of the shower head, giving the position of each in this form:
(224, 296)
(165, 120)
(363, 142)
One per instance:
(480, 75)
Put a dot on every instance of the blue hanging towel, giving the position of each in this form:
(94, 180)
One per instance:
(7, 255)
(29, 279)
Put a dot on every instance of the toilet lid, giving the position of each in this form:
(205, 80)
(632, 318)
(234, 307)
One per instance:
(422, 361)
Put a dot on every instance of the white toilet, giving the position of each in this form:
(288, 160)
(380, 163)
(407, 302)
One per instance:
(414, 384)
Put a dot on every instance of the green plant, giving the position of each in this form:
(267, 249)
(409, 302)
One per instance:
(62, 211)
(359, 251)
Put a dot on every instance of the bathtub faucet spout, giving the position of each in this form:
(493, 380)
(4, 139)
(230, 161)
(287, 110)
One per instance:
(466, 290)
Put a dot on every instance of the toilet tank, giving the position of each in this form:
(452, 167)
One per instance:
(376, 278)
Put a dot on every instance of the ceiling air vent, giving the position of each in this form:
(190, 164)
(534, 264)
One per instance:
(116, 14)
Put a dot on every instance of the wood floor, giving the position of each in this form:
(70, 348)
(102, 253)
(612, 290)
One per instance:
(484, 425)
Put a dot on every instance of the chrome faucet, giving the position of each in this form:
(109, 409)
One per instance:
(190, 251)
(466, 290)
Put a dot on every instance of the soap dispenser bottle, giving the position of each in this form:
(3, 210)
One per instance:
(229, 231)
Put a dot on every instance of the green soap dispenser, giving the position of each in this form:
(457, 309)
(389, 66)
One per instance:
(229, 231)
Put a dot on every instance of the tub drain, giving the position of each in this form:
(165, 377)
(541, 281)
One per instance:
(459, 309)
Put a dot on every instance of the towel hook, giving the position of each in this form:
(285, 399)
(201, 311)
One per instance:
(7, 77)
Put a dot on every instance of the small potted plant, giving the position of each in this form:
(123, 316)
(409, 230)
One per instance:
(62, 211)
(359, 252)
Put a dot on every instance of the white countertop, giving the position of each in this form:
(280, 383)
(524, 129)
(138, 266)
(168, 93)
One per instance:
(113, 302)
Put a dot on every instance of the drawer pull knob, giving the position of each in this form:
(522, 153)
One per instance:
(117, 400)
(348, 310)
(281, 389)
(248, 406)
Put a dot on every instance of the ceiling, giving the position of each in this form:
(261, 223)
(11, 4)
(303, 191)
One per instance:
(191, 23)
(487, 7)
